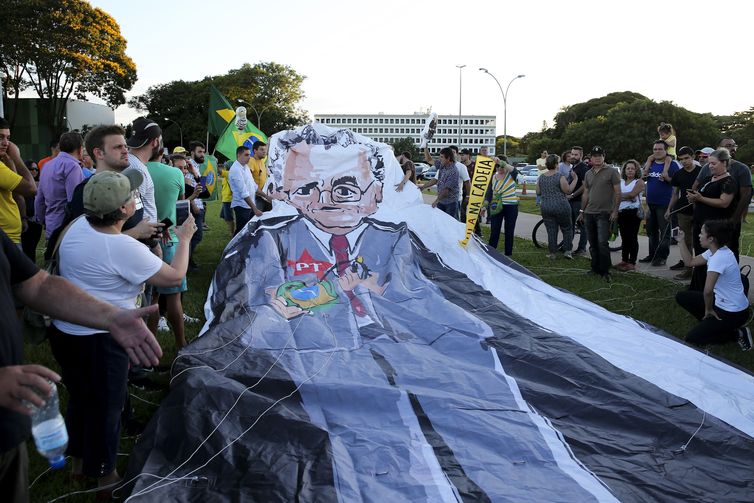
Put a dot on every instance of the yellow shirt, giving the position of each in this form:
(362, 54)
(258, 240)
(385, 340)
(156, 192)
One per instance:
(258, 171)
(226, 194)
(10, 218)
(671, 148)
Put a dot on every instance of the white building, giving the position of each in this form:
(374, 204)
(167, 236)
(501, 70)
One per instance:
(85, 113)
(476, 130)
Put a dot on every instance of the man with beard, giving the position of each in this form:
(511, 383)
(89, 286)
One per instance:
(579, 169)
(107, 146)
(145, 141)
(197, 151)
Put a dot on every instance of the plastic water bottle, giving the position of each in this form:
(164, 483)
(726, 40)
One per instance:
(614, 231)
(49, 431)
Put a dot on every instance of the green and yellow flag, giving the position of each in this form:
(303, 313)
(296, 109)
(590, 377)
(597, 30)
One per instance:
(221, 112)
(232, 138)
(209, 170)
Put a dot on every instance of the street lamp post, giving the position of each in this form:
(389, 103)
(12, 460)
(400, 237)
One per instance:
(460, 96)
(505, 106)
(180, 129)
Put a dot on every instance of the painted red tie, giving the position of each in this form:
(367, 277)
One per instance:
(339, 245)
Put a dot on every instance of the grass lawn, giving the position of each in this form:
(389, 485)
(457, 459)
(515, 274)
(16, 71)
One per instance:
(642, 297)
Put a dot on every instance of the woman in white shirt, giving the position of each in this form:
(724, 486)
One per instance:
(723, 307)
(629, 211)
(98, 258)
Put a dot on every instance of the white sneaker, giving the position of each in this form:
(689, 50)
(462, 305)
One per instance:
(162, 325)
(189, 319)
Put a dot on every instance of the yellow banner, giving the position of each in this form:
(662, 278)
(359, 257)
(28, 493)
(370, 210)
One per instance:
(483, 170)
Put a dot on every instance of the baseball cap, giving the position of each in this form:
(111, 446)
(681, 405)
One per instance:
(597, 150)
(144, 130)
(179, 150)
(466, 151)
(707, 150)
(107, 191)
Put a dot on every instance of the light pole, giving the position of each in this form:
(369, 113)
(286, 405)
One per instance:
(505, 106)
(460, 84)
(258, 114)
(180, 129)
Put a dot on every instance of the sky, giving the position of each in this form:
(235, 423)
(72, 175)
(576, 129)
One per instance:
(400, 57)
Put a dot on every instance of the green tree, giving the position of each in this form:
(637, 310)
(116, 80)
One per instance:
(406, 145)
(272, 92)
(277, 88)
(178, 106)
(624, 124)
(67, 48)
(740, 127)
(514, 145)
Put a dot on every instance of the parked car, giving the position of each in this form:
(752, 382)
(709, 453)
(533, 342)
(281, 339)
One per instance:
(529, 174)
(430, 172)
(421, 167)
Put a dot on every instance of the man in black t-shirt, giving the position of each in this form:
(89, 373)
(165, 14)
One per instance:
(21, 279)
(580, 168)
(683, 180)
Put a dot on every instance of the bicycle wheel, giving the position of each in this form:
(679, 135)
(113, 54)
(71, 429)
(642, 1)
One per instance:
(539, 235)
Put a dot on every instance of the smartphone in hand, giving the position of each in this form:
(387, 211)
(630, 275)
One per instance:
(181, 211)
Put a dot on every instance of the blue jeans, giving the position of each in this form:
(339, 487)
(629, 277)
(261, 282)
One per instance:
(199, 234)
(575, 207)
(509, 215)
(449, 208)
(597, 226)
(658, 232)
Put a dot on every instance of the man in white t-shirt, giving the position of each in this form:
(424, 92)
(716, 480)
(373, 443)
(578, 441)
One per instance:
(244, 189)
(541, 167)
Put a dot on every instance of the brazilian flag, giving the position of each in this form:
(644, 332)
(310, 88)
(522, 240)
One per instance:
(209, 169)
(232, 138)
(221, 112)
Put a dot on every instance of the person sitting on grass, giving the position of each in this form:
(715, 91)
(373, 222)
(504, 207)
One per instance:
(723, 307)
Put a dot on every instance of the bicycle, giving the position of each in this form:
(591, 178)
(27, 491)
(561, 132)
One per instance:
(539, 237)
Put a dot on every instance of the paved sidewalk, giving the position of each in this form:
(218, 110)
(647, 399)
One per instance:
(526, 222)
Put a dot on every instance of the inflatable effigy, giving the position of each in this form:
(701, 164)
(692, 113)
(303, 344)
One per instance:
(354, 351)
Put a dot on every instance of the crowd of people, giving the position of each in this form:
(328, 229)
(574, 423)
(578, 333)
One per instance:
(108, 208)
(674, 193)
(123, 220)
